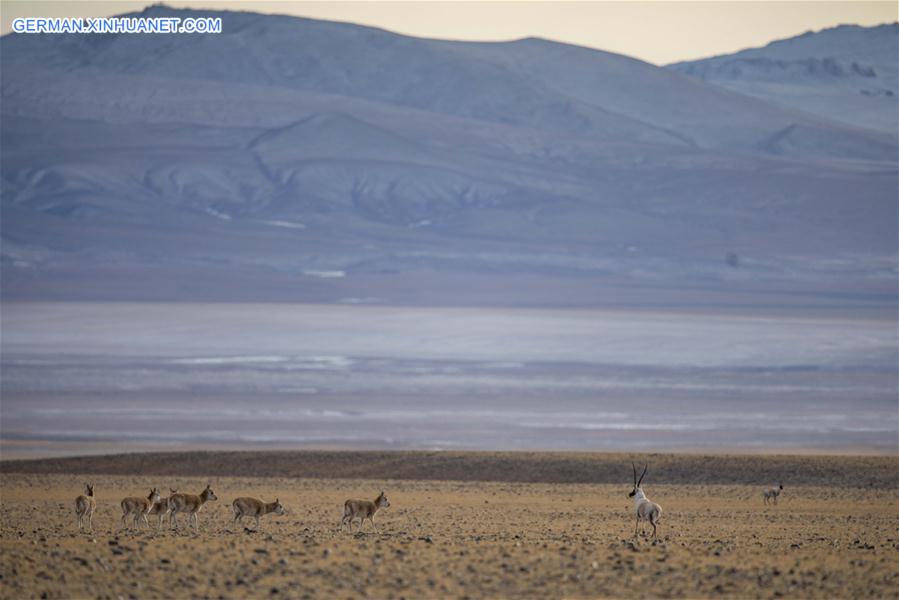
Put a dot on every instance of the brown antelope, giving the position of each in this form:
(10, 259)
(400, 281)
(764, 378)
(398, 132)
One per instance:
(190, 504)
(84, 507)
(161, 509)
(772, 493)
(362, 509)
(646, 510)
(139, 507)
(252, 507)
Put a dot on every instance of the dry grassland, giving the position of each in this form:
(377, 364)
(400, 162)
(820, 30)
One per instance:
(453, 539)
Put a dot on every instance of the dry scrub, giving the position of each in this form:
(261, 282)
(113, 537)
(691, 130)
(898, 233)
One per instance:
(880, 472)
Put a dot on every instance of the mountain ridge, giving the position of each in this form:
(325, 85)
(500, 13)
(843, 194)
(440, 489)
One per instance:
(379, 157)
(846, 73)
(779, 41)
(434, 79)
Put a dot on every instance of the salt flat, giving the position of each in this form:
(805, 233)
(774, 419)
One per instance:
(78, 376)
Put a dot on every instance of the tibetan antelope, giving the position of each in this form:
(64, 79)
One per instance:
(190, 504)
(84, 507)
(362, 509)
(161, 509)
(252, 507)
(772, 493)
(139, 507)
(646, 510)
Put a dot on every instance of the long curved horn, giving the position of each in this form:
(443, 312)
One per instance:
(644, 473)
(635, 474)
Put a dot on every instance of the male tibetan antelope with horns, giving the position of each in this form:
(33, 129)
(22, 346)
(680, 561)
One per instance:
(85, 506)
(646, 510)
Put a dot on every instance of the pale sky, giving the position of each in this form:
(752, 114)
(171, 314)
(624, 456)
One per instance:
(660, 32)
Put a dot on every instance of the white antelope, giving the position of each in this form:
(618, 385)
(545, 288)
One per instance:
(772, 493)
(645, 509)
(84, 507)
(253, 507)
(139, 507)
(161, 509)
(190, 504)
(362, 509)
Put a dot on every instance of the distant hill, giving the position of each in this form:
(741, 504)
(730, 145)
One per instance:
(293, 159)
(848, 74)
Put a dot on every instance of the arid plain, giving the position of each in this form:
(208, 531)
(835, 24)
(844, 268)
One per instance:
(834, 533)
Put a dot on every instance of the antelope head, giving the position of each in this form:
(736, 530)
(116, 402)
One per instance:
(279, 508)
(637, 482)
(208, 494)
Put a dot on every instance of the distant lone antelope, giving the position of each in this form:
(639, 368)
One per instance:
(161, 509)
(139, 507)
(645, 509)
(190, 504)
(772, 493)
(253, 507)
(362, 509)
(84, 507)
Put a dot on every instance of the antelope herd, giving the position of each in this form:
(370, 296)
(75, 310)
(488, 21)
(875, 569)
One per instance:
(139, 508)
